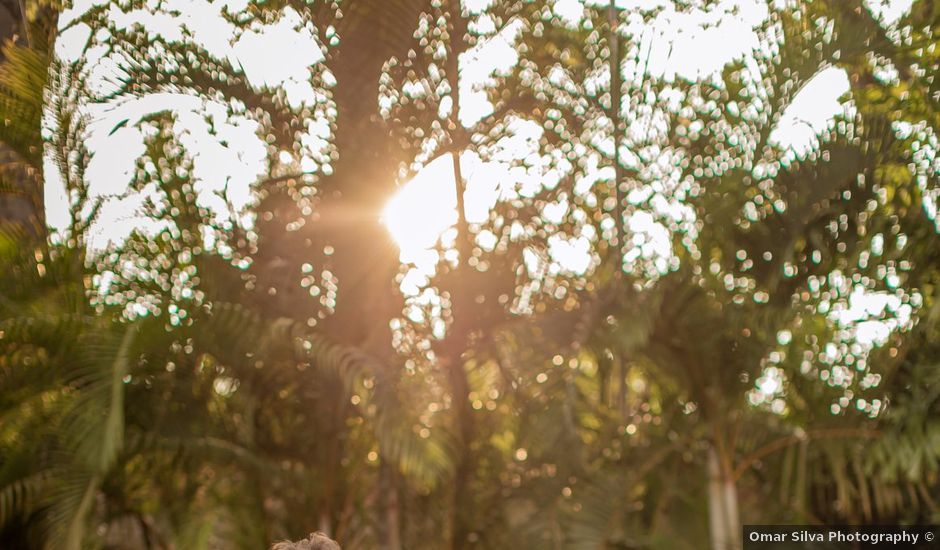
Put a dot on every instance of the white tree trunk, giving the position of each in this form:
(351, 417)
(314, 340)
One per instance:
(723, 518)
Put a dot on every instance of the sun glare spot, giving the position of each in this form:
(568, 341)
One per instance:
(422, 209)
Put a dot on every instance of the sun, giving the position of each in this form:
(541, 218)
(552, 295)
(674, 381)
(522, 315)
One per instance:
(425, 208)
(422, 209)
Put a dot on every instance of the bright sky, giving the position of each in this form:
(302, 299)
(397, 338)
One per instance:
(688, 44)
(229, 158)
(677, 44)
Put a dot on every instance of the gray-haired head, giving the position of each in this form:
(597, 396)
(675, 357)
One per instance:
(316, 541)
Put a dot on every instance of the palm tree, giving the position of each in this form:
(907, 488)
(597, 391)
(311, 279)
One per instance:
(696, 338)
(260, 395)
(24, 59)
(360, 63)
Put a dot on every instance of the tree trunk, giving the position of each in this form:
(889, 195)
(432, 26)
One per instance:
(456, 342)
(453, 365)
(324, 524)
(22, 214)
(390, 527)
(342, 232)
(724, 522)
(613, 20)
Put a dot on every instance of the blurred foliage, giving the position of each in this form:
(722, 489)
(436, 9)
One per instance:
(754, 328)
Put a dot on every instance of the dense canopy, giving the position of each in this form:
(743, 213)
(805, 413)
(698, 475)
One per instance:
(466, 274)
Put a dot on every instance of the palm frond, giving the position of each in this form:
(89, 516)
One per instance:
(21, 497)
(91, 437)
(23, 77)
(238, 330)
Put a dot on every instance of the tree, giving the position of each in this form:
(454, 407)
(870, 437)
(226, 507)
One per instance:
(262, 375)
(178, 259)
(26, 41)
(709, 334)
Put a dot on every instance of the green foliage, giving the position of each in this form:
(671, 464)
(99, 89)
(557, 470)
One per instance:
(225, 380)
